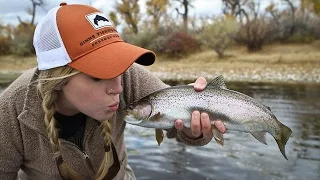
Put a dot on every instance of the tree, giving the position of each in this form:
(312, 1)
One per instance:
(218, 35)
(23, 34)
(316, 6)
(5, 38)
(32, 11)
(235, 8)
(292, 11)
(130, 11)
(114, 18)
(313, 5)
(255, 31)
(156, 9)
(22, 44)
(185, 4)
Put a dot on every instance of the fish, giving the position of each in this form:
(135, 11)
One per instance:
(237, 111)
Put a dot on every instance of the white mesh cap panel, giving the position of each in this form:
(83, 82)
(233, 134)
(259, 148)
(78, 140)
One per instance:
(48, 45)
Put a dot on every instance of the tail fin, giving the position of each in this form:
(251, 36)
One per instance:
(282, 138)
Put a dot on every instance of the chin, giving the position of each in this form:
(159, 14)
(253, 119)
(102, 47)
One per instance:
(104, 118)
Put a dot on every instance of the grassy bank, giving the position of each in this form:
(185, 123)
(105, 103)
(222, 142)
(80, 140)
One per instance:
(275, 63)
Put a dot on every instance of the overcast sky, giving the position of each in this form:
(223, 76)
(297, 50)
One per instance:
(11, 9)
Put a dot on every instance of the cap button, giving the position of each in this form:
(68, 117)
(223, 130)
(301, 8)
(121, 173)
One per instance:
(63, 4)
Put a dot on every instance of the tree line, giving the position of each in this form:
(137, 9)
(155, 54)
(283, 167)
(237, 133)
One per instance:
(167, 27)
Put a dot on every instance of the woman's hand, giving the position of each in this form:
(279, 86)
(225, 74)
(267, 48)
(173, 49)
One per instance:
(200, 121)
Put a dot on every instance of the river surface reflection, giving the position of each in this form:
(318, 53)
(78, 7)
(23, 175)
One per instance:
(242, 157)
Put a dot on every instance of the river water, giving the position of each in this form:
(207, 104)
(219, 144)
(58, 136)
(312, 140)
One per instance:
(242, 157)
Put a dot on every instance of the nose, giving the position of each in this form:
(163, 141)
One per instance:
(114, 85)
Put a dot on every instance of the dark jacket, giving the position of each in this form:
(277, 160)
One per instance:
(24, 144)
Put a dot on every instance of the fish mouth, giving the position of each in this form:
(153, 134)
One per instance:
(151, 110)
(135, 119)
(130, 119)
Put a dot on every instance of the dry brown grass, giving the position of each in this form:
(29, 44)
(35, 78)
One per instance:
(273, 63)
(275, 53)
(272, 59)
(237, 57)
(14, 63)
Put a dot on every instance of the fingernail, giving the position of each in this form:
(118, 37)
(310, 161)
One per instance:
(204, 115)
(196, 114)
(179, 126)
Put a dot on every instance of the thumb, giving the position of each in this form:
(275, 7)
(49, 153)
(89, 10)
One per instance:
(178, 124)
(200, 84)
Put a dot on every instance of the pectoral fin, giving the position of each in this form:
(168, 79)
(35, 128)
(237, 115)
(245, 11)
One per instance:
(159, 136)
(218, 136)
(156, 117)
(260, 136)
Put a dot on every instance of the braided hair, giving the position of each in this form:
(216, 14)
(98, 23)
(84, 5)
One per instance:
(49, 83)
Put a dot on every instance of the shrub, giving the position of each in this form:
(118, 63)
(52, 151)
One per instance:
(157, 44)
(217, 35)
(143, 38)
(22, 44)
(168, 40)
(255, 33)
(299, 38)
(5, 43)
(304, 28)
(5, 39)
(179, 44)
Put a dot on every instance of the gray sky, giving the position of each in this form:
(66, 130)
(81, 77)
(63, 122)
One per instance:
(11, 9)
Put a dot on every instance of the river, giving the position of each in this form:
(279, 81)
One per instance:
(242, 157)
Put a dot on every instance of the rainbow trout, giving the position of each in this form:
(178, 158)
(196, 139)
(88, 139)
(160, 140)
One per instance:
(237, 111)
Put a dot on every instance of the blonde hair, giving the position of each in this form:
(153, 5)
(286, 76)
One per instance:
(49, 83)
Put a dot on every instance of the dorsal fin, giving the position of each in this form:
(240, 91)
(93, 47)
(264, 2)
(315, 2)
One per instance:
(218, 82)
(268, 107)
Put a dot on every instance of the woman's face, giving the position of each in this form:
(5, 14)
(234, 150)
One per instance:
(97, 98)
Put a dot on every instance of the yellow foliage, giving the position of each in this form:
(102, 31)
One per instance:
(313, 5)
(156, 9)
(130, 11)
(316, 4)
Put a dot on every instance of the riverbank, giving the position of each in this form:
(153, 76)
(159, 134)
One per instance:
(274, 64)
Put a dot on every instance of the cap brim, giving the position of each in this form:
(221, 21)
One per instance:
(112, 60)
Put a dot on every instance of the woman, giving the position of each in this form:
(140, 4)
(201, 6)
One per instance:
(64, 119)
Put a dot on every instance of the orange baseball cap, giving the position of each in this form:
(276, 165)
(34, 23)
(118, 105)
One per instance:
(84, 38)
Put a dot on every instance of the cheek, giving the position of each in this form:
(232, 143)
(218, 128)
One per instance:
(85, 98)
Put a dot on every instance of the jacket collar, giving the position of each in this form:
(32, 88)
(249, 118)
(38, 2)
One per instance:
(32, 114)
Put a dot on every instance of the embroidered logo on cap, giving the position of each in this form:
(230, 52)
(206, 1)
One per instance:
(98, 20)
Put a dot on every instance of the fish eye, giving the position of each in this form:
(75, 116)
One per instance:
(130, 107)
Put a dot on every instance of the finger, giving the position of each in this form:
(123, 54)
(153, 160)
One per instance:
(200, 84)
(196, 124)
(220, 126)
(206, 126)
(178, 124)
